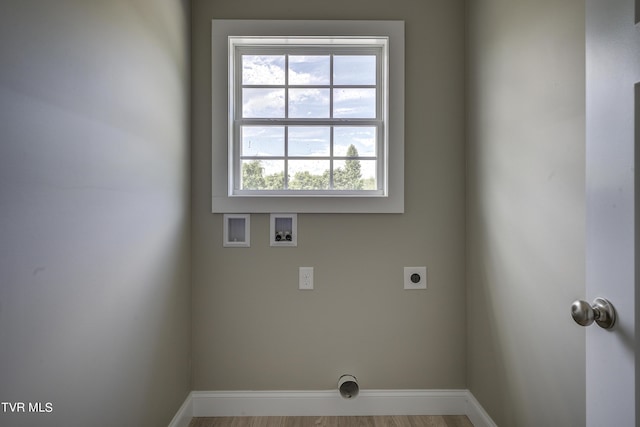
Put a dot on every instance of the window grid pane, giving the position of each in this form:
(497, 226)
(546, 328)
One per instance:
(306, 168)
(299, 99)
(271, 96)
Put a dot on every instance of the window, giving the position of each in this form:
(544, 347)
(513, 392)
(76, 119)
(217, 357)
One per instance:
(308, 116)
(309, 126)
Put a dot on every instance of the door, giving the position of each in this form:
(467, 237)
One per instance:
(612, 99)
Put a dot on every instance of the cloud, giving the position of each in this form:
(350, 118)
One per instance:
(263, 103)
(263, 69)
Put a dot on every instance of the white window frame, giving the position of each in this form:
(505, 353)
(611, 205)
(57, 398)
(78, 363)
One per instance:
(328, 46)
(227, 35)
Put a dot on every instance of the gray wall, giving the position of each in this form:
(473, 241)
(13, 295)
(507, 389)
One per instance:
(94, 211)
(252, 328)
(525, 184)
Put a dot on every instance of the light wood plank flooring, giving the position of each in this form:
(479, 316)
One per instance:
(377, 421)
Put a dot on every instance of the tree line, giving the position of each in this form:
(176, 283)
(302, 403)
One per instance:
(347, 178)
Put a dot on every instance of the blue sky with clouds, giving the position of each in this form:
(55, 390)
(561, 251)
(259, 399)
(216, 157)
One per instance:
(308, 102)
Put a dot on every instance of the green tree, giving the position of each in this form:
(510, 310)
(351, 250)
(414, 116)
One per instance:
(349, 178)
(252, 176)
(275, 181)
(306, 181)
(369, 184)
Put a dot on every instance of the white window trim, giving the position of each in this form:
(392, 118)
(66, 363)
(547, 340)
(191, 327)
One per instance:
(291, 45)
(393, 200)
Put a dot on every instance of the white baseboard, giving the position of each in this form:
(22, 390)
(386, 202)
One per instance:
(476, 413)
(184, 414)
(329, 403)
(317, 403)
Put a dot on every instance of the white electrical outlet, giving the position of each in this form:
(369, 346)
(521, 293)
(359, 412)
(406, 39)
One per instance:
(305, 279)
(415, 277)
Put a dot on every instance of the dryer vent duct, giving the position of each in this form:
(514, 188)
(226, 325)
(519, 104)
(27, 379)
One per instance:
(348, 386)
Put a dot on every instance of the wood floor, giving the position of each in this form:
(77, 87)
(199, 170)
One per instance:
(378, 421)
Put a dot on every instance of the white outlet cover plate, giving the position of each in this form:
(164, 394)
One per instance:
(305, 281)
(410, 271)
